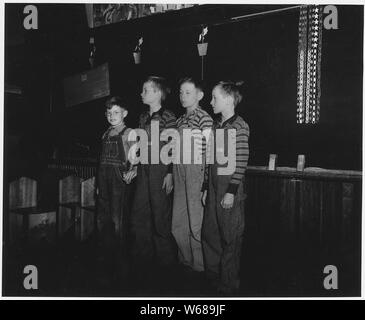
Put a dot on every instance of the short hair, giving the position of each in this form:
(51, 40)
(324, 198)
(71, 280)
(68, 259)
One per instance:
(197, 83)
(116, 101)
(160, 84)
(233, 89)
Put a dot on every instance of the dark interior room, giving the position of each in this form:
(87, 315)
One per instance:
(298, 219)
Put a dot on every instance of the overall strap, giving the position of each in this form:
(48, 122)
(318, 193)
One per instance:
(125, 156)
(124, 129)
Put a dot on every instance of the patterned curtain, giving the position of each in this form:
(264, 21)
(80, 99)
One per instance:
(309, 64)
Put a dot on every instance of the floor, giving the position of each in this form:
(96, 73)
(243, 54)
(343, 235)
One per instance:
(68, 269)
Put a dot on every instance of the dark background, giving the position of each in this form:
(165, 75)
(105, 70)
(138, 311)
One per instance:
(261, 50)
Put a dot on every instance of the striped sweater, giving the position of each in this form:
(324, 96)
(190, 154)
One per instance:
(198, 119)
(242, 151)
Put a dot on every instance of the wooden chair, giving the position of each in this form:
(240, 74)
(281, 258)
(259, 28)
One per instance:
(28, 220)
(77, 207)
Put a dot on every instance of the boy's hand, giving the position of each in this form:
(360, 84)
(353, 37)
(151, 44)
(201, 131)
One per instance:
(227, 201)
(168, 184)
(129, 176)
(204, 196)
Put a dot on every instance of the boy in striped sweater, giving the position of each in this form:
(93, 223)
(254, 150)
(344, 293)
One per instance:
(223, 194)
(188, 210)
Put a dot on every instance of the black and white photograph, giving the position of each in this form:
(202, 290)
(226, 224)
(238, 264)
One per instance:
(203, 151)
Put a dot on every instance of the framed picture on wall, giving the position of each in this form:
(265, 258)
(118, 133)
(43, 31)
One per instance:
(102, 14)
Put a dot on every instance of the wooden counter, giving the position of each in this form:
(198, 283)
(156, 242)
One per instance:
(299, 222)
(296, 223)
(308, 173)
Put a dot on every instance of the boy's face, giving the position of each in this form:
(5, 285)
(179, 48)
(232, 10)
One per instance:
(150, 95)
(115, 115)
(220, 102)
(190, 95)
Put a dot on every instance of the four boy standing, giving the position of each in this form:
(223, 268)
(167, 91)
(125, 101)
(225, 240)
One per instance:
(208, 240)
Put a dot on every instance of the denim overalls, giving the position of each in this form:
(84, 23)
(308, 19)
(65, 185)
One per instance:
(112, 192)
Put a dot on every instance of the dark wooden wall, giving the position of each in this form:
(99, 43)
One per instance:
(295, 226)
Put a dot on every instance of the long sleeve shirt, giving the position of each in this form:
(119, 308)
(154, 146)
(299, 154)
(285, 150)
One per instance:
(166, 118)
(198, 120)
(242, 151)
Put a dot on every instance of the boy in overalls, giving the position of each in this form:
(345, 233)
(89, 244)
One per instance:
(115, 173)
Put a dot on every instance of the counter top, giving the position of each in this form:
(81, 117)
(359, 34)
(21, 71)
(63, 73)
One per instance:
(308, 173)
